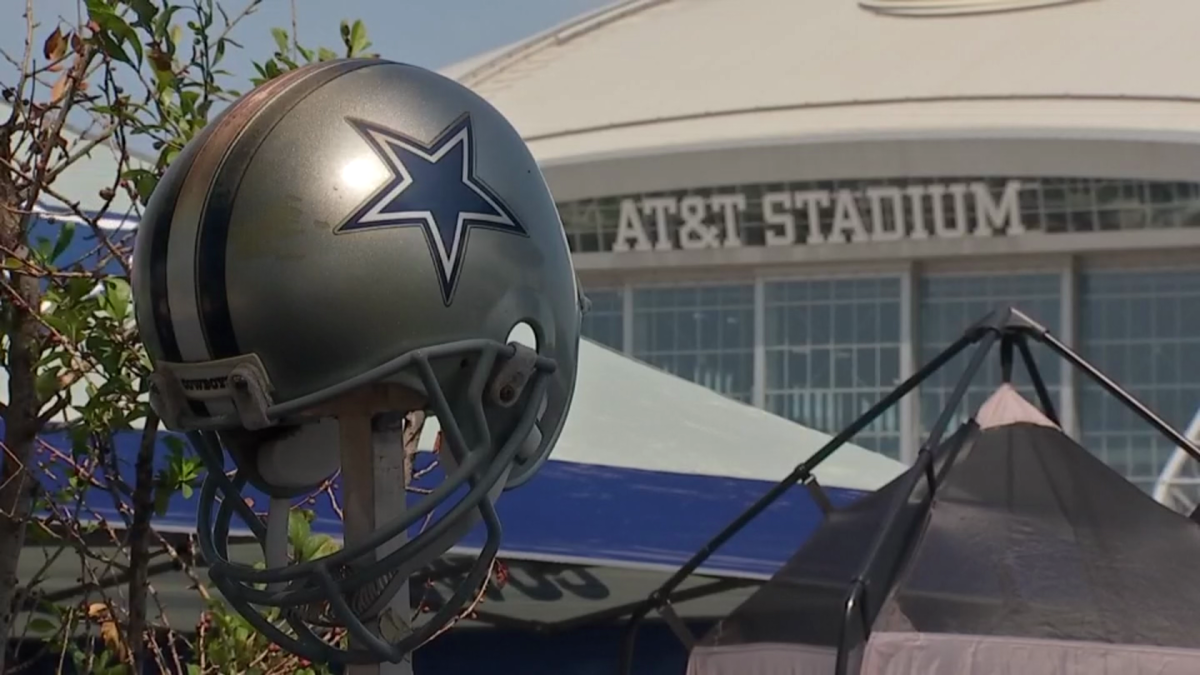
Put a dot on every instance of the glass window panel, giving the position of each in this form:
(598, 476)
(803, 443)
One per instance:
(949, 304)
(605, 321)
(1134, 328)
(704, 332)
(866, 364)
(821, 364)
(843, 368)
(843, 352)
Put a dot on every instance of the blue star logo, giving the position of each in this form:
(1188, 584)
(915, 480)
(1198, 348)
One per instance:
(434, 187)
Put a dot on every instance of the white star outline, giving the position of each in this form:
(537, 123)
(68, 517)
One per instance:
(382, 141)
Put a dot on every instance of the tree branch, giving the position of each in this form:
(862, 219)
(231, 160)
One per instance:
(90, 144)
(139, 540)
(18, 105)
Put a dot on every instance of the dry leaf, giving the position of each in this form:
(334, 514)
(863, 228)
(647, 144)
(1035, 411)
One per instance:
(59, 90)
(55, 46)
(56, 49)
(160, 59)
(100, 613)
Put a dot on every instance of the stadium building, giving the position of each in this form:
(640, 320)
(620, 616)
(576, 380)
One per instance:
(796, 203)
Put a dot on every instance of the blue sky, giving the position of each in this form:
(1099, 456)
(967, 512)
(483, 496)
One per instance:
(430, 33)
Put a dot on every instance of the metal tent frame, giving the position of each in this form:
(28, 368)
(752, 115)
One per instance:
(1176, 487)
(870, 584)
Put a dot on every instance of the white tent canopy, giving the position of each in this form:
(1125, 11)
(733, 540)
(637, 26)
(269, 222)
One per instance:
(630, 415)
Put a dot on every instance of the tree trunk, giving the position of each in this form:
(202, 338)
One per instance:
(20, 417)
(139, 542)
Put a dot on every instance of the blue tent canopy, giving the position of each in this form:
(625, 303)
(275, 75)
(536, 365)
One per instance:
(84, 248)
(570, 512)
(648, 467)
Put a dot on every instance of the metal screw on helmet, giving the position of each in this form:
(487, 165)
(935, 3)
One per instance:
(351, 240)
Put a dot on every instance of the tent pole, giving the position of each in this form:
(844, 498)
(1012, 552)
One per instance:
(1006, 359)
(801, 472)
(888, 530)
(1035, 375)
(1117, 392)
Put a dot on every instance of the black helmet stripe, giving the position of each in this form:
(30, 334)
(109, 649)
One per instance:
(153, 240)
(255, 123)
(151, 261)
(181, 253)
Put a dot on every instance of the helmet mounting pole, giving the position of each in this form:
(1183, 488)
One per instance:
(371, 440)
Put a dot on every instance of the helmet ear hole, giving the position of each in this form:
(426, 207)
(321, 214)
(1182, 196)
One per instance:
(527, 334)
(523, 333)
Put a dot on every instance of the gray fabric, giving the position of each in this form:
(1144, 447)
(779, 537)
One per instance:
(803, 600)
(925, 654)
(1032, 536)
(766, 658)
(1035, 558)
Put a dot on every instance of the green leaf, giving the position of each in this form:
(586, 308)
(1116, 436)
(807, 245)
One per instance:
(114, 49)
(317, 546)
(192, 466)
(358, 38)
(299, 528)
(187, 101)
(42, 248)
(163, 21)
(65, 236)
(42, 626)
(186, 490)
(47, 383)
(118, 293)
(145, 10)
(281, 39)
(111, 22)
(144, 182)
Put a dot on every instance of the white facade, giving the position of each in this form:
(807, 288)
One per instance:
(796, 202)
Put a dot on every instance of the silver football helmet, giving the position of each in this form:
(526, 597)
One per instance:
(347, 225)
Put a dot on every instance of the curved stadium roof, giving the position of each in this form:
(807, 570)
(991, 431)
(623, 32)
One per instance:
(644, 76)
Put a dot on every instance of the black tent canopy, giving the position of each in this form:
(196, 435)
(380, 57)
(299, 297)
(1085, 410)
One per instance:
(1006, 548)
(1035, 558)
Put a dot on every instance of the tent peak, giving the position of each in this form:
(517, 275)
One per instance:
(1007, 406)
